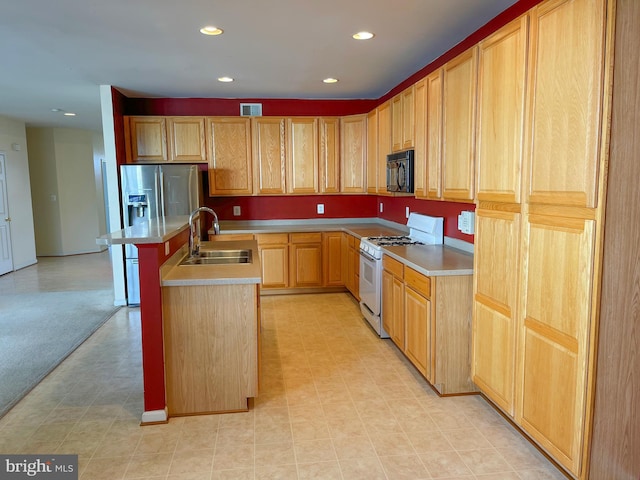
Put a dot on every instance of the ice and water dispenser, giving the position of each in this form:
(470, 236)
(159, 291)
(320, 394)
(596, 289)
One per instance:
(137, 206)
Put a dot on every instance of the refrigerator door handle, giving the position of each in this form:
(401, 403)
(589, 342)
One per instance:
(160, 191)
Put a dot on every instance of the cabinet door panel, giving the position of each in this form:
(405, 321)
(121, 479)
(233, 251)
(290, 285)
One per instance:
(353, 131)
(186, 139)
(399, 333)
(408, 118)
(557, 316)
(329, 155)
(230, 171)
(148, 139)
(387, 313)
(566, 101)
(420, 140)
(275, 265)
(332, 258)
(418, 318)
(306, 265)
(434, 135)
(269, 154)
(396, 123)
(501, 99)
(302, 155)
(495, 303)
(384, 145)
(458, 124)
(372, 152)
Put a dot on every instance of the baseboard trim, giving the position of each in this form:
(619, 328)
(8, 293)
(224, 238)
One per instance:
(152, 417)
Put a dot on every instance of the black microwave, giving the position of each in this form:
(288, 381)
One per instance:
(400, 172)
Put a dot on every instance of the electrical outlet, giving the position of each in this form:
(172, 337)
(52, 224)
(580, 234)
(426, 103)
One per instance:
(166, 248)
(466, 222)
(320, 208)
(236, 211)
(381, 207)
(407, 212)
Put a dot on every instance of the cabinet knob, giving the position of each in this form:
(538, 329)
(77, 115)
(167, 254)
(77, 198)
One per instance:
(8, 219)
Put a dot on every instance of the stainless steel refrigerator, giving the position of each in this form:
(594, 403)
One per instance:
(154, 191)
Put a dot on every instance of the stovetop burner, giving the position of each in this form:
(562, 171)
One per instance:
(393, 240)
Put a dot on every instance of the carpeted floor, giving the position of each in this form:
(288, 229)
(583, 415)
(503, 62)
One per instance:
(46, 312)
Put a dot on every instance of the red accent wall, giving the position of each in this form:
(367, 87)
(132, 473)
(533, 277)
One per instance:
(394, 209)
(230, 107)
(294, 207)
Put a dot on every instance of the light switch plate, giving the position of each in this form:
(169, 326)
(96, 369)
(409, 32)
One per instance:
(166, 248)
(320, 208)
(381, 207)
(236, 211)
(407, 212)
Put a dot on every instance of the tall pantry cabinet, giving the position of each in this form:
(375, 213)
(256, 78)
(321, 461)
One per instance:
(544, 82)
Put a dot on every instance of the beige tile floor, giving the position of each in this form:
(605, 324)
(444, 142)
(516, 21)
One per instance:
(336, 402)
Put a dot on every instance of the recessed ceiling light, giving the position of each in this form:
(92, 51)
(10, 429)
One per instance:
(363, 35)
(56, 110)
(210, 30)
(225, 79)
(330, 80)
(69, 114)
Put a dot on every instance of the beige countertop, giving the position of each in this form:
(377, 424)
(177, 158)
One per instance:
(173, 274)
(359, 227)
(433, 260)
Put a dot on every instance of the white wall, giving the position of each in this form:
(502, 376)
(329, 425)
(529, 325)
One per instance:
(19, 192)
(98, 161)
(66, 202)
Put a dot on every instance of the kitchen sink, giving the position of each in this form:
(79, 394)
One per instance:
(219, 257)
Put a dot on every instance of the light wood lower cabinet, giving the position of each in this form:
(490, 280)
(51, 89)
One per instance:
(274, 258)
(351, 264)
(430, 323)
(332, 259)
(305, 261)
(211, 347)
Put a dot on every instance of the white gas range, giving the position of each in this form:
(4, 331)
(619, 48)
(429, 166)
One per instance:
(423, 230)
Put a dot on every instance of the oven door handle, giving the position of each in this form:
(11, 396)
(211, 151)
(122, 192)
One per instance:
(367, 256)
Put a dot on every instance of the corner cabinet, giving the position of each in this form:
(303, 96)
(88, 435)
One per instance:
(353, 156)
(230, 167)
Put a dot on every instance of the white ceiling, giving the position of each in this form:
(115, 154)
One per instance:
(56, 53)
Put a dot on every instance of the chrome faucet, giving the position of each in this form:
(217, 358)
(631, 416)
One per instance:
(194, 236)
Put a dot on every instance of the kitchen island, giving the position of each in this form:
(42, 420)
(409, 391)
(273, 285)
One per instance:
(211, 330)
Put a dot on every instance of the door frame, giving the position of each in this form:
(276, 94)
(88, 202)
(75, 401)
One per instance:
(6, 260)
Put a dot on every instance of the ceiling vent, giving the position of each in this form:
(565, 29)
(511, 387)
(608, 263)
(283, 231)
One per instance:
(250, 109)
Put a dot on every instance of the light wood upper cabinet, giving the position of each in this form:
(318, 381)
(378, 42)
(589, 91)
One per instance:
(557, 284)
(353, 151)
(186, 137)
(396, 123)
(420, 143)
(384, 145)
(146, 139)
(434, 135)
(501, 100)
(230, 165)
(458, 126)
(302, 155)
(305, 261)
(372, 151)
(408, 118)
(329, 154)
(496, 275)
(566, 101)
(268, 135)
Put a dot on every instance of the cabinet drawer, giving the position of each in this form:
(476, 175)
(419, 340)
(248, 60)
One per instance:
(230, 236)
(418, 282)
(393, 266)
(315, 237)
(272, 238)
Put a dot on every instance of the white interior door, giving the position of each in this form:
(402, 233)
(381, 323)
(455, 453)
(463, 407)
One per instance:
(6, 257)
